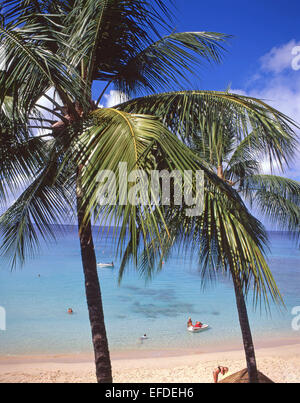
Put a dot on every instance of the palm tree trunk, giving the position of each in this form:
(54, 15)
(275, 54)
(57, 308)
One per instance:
(93, 292)
(246, 331)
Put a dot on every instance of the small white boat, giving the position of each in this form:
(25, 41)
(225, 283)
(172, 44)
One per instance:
(105, 264)
(194, 329)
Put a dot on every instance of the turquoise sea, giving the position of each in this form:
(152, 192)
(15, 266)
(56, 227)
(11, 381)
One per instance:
(37, 297)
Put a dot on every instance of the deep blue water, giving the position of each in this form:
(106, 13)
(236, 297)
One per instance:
(37, 297)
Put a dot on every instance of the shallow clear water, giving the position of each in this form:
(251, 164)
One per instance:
(36, 306)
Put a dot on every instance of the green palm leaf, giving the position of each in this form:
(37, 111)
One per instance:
(165, 63)
(139, 141)
(103, 33)
(142, 143)
(45, 202)
(277, 198)
(195, 113)
(32, 68)
(233, 236)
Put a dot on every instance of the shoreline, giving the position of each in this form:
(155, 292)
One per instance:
(140, 354)
(279, 363)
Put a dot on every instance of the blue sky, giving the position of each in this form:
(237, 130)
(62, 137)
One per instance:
(257, 27)
(259, 57)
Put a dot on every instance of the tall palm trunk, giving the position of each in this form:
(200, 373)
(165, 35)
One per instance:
(246, 331)
(93, 292)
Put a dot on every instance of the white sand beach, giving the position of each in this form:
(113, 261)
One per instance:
(281, 364)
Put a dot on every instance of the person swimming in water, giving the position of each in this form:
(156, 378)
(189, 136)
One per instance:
(142, 338)
(70, 311)
(190, 323)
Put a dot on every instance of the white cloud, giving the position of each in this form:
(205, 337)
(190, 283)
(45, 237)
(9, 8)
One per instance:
(114, 98)
(282, 94)
(279, 58)
(278, 85)
(45, 102)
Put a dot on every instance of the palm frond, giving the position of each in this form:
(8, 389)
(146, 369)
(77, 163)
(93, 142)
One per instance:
(46, 201)
(31, 68)
(194, 113)
(103, 34)
(226, 231)
(142, 143)
(166, 62)
(227, 239)
(118, 137)
(277, 198)
(21, 154)
(244, 160)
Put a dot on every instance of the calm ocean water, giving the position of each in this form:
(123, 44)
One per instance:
(37, 297)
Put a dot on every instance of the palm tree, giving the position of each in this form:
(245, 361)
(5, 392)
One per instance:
(237, 160)
(235, 151)
(55, 51)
